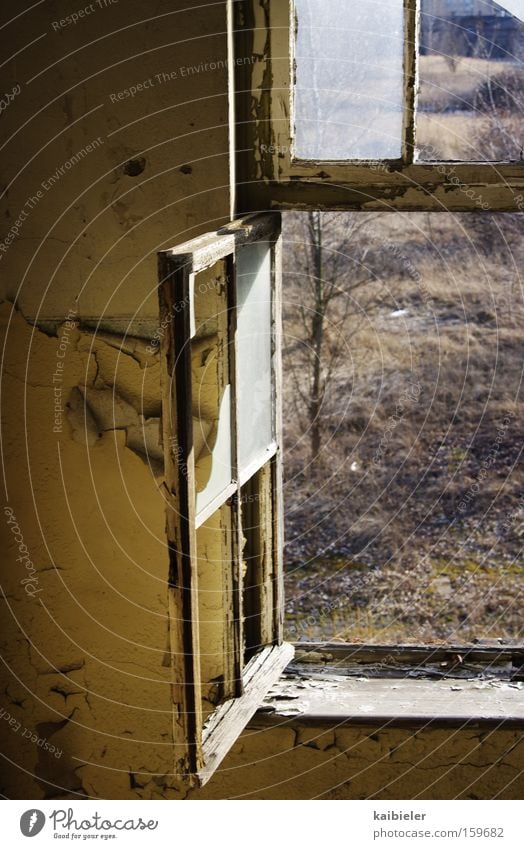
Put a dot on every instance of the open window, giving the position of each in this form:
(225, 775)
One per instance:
(220, 319)
(301, 139)
(376, 104)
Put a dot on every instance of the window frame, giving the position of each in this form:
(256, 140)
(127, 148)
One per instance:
(200, 745)
(269, 177)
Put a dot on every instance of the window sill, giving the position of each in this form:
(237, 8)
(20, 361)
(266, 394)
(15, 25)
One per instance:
(336, 700)
(413, 686)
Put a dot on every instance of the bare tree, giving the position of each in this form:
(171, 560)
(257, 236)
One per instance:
(328, 252)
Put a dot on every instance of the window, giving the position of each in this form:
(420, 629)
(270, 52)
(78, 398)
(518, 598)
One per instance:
(471, 81)
(320, 124)
(220, 319)
(298, 140)
(349, 80)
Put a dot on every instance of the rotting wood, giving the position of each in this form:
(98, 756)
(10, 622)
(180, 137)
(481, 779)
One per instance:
(413, 195)
(410, 79)
(269, 567)
(203, 746)
(235, 601)
(287, 183)
(258, 517)
(183, 579)
(277, 464)
(467, 671)
(337, 654)
(204, 251)
(222, 729)
(233, 625)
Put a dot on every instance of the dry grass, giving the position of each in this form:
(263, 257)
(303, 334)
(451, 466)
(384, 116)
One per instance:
(473, 111)
(469, 136)
(442, 88)
(376, 534)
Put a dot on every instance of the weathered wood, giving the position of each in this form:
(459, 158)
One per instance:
(410, 193)
(199, 750)
(347, 653)
(269, 565)
(277, 465)
(336, 701)
(204, 251)
(257, 507)
(180, 518)
(396, 175)
(411, 15)
(271, 178)
(451, 671)
(235, 647)
(222, 729)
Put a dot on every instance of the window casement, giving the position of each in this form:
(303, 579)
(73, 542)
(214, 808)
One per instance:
(272, 174)
(220, 319)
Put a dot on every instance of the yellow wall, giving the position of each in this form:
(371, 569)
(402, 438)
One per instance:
(94, 233)
(86, 639)
(293, 762)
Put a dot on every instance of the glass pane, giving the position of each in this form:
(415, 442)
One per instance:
(349, 79)
(210, 386)
(254, 396)
(471, 96)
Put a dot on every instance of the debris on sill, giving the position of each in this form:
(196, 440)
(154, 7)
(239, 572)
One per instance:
(485, 662)
(340, 698)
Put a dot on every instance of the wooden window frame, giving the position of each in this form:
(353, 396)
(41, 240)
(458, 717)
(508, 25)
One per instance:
(199, 745)
(270, 177)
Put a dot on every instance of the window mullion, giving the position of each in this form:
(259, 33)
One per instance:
(234, 648)
(277, 468)
(410, 78)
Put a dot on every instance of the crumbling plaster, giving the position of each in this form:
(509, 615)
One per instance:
(294, 762)
(86, 656)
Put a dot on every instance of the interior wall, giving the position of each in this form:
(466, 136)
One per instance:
(116, 145)
(290, 761)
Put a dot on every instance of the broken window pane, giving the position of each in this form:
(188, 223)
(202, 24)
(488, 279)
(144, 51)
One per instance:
(471, 94)
(349, 79)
